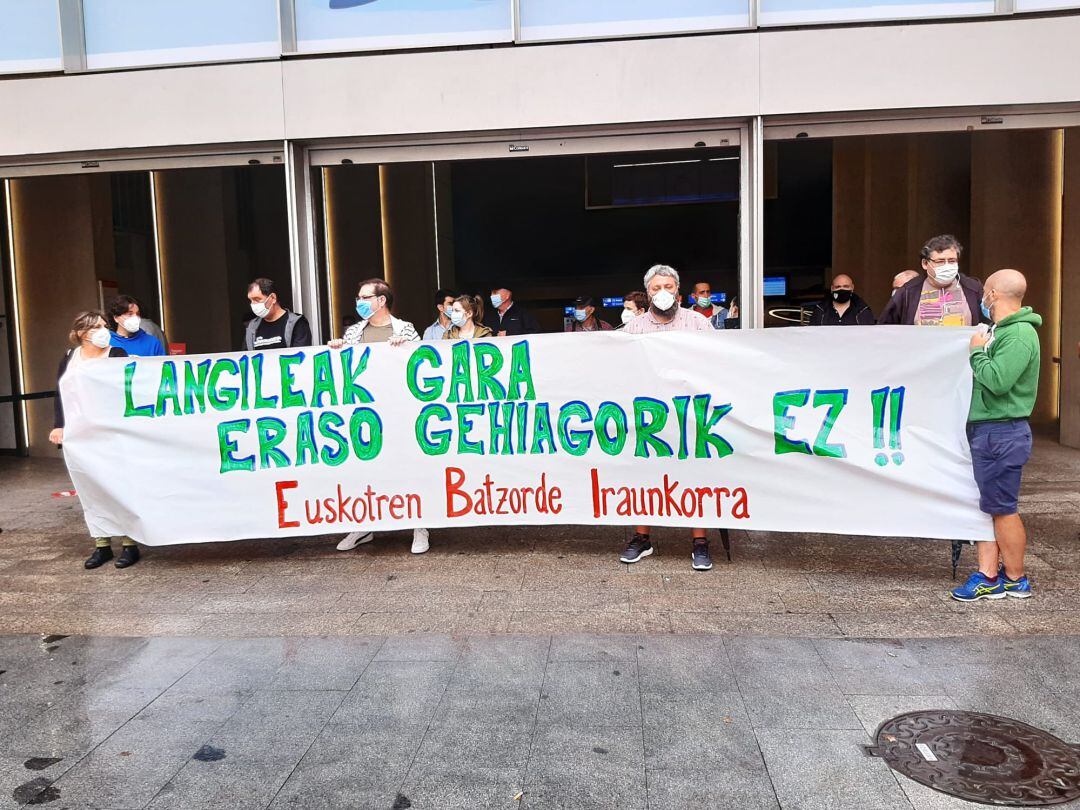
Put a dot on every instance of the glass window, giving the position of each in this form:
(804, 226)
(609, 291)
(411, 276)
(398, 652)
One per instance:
(785, 12)
(345, 25)
(122, 33)
(1045, 5)
(29, 36)
(573, 19)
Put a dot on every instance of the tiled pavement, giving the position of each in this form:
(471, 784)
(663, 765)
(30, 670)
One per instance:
(525, 580)
(434, 721)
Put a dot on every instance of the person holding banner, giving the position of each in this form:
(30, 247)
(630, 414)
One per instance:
(466, 316)
(1005, 366)
(273, 326)
(90, 339)
(374, 305)
(666, 314)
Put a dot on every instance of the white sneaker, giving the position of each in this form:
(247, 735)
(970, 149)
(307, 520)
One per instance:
(420, 542)
(354, 539)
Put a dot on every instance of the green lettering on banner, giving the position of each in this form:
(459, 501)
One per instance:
(290, 398)
(368, 448)
(436, 443)
(272, 432)
(705, 441)
(222, 399)
(489, 362)
(227, 446)
(305, 439)
(323, 386)
(783, 422)
(460, 373)
(129, 406)
(520, 372)
(542, 429)
(329, 425)
(501, 441)
(244, 365)
(433, 386)
(260, 400)
(195, 386)
(575, 442)
(836, 400)
(682, 405)
(610, 413)
(168, 390)
(465, 446)
(647, 430)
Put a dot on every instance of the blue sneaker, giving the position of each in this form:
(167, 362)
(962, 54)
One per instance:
(978, 587)
(1017, 588)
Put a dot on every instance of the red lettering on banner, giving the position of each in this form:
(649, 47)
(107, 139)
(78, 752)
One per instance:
(671, 499)
(283, 504)
(489, 498)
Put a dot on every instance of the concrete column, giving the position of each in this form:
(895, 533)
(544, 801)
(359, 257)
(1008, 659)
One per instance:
(1070, 293)
(1016, 222)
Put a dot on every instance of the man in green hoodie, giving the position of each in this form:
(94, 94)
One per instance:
(1005, 365)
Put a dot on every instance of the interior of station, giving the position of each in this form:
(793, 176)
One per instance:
(185, 242)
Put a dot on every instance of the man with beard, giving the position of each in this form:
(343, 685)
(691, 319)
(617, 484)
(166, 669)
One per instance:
(666, 315)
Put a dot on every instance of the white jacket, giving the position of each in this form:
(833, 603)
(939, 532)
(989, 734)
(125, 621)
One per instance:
(399, 327)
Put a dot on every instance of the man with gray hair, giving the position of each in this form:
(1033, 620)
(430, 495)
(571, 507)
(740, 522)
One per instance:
(902, 278)
(666, 315)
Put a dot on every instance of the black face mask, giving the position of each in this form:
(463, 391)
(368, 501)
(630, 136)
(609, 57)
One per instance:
(841, 296)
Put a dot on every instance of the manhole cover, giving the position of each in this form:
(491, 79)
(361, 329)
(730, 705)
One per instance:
(981, 757)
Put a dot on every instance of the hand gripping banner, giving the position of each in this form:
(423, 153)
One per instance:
(854, 430)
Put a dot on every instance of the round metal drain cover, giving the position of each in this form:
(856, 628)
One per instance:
(981, 758)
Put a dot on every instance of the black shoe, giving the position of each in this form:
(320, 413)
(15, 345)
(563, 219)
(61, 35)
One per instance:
(101, 555)
(638, 547)
(701, 558)
(129, 555)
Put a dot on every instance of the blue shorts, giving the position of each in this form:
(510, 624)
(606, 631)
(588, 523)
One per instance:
(999, 451)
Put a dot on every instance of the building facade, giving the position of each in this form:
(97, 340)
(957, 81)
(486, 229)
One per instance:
(176, 150)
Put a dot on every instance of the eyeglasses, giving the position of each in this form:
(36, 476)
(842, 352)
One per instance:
(365, 297)
(940, 262)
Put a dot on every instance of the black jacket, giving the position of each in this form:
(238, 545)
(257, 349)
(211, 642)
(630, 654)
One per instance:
(857, 313)
(904, 305)
(58, 404)
(515, 321)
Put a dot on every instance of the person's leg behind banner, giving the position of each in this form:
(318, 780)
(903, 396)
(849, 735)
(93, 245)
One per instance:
(102, 553)
(420, 542)
(640, 546)
(129, 554)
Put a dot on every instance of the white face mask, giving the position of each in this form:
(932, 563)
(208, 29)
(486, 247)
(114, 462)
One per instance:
(947, 273)
(457, 318)
(496, 301)
(260, 309)
(627, 316)
(131, 323)
(100, 337)
(663, 300)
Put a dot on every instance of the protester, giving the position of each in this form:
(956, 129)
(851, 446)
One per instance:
(273, 326)
(634, 304)
(945, 297)
(841, 307)
(129, 334)
(666, 315)
(444, 302)
(374, 305)
(90, 339)
(902, 278)
(719, 316)
(507, 318)
(1005, 367)
(585, 319)
(148, 325)
(466, 318)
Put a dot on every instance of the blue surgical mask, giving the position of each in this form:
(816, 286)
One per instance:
(703, 301)
(448, 312)
(985, 309)
(580, 315)
(496, 301)
(457, 318)
(364, 310)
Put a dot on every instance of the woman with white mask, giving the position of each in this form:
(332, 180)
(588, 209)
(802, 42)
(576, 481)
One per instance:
(90, 339)
(466, 315)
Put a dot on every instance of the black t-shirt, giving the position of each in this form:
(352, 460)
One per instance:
(271, 334)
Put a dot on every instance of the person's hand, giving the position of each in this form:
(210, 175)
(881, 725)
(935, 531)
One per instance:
(56, 436)
(397, 340)
(733, 312)
(979, 340)
(336, 343)
(502, 333)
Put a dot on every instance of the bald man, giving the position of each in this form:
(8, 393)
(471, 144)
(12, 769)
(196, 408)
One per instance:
(841, 307)
(902, 278)
(1005, 366)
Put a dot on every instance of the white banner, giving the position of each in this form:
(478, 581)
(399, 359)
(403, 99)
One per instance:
(854, 430)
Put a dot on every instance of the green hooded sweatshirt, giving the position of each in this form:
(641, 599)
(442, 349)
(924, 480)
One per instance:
(1007, 370)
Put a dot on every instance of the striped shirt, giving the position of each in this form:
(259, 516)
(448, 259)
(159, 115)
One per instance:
(684, 320)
